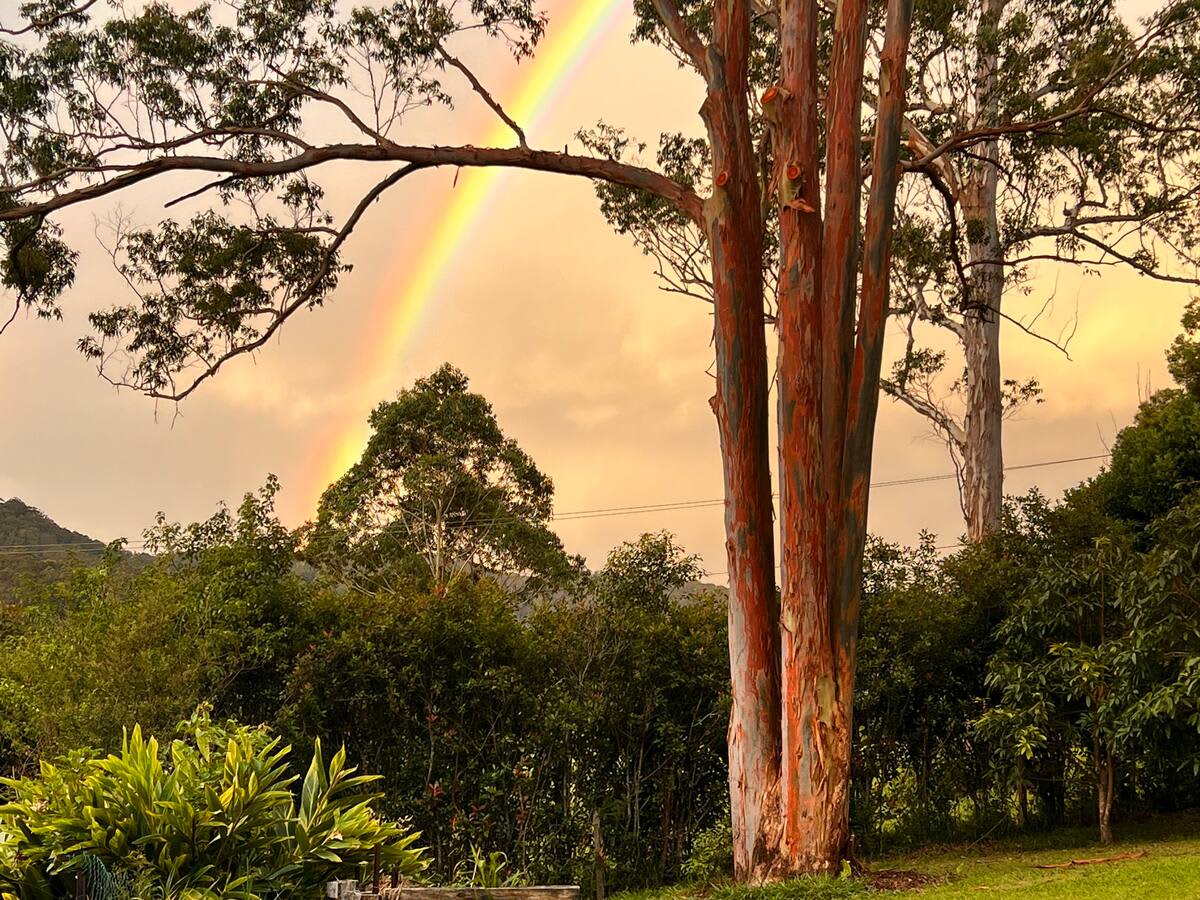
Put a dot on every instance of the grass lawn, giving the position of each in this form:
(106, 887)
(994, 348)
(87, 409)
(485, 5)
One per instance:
(1170, 869)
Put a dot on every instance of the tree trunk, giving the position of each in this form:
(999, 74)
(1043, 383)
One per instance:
(1104, 791)
(599, 862)
(792, 660)
(983, 454)
(735, 234)
(1022, 795)
(816, 714)
(983, 458)
(828, 397)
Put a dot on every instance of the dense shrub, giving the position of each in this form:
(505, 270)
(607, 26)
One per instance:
(584, 736)
(212, 816)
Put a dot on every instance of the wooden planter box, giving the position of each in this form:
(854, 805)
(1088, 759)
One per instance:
(349, 890)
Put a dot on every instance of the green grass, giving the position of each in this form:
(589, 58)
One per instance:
(1169, 870)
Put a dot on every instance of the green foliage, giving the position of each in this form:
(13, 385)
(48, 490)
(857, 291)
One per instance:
(812, 888)
(431, 693)
(214, 816)
(487, 870)
(514, 727)
(1156, 460)
(929, 629)
(924, 642)
(641, 681)
(439, 493)
(1101, 652)
(1183, 359)
(711, 858)
(237, 84)
(46, 559)
(216, 617)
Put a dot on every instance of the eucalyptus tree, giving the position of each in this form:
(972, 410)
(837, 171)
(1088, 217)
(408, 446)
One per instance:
(233, 93)
(1037, 134)
(250, 103)
(1115, 184)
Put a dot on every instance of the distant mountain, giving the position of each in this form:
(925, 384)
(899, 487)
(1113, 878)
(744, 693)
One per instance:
(36, 549)
(22, 525)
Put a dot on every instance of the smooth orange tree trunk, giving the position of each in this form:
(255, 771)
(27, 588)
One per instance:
(828, 381)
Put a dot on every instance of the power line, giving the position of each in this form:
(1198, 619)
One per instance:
(598, 513)
(897, 482)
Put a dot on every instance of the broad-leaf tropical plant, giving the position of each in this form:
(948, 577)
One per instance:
(211, 816)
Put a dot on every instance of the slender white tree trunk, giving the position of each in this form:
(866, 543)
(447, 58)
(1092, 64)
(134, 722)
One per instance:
(983, 454)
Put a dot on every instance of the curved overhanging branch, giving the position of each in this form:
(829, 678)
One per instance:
(122, 176)
(126, 175)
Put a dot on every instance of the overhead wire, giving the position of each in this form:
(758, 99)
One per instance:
(579, 514)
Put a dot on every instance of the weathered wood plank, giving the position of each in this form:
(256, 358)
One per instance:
(552, 892)
(348, 890)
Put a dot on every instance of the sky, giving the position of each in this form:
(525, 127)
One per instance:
(597, 373)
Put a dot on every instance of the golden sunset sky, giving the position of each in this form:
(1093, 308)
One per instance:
(558, 321)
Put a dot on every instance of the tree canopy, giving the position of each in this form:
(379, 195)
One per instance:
(439, 493)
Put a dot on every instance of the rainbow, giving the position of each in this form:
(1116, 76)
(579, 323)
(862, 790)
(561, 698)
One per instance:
(558, 57)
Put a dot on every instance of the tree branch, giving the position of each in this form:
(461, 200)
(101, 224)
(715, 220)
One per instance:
(301, 299)
(939, 417)
(684, 37)
(9, 320)
(1083, 106)
(1111, 250)
(50, 21)
(487, 97)
(124, 176)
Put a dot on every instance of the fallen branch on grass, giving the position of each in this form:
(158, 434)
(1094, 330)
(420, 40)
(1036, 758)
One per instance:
(1072, 863)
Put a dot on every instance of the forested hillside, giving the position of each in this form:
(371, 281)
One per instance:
(34, 548)
(25, 526)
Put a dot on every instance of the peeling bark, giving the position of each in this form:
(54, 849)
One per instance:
(792, 659)
(828, 397)
(735, 233)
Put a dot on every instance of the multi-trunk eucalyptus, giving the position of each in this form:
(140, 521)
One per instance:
(803, 112)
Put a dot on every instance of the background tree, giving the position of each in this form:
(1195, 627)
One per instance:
(215, 617)
(1183, 359)
(1156, 460)
(922, 653)
(1114, 183)
(582, 735)
(1103, 651)
(1041, 134)
(440, 492)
